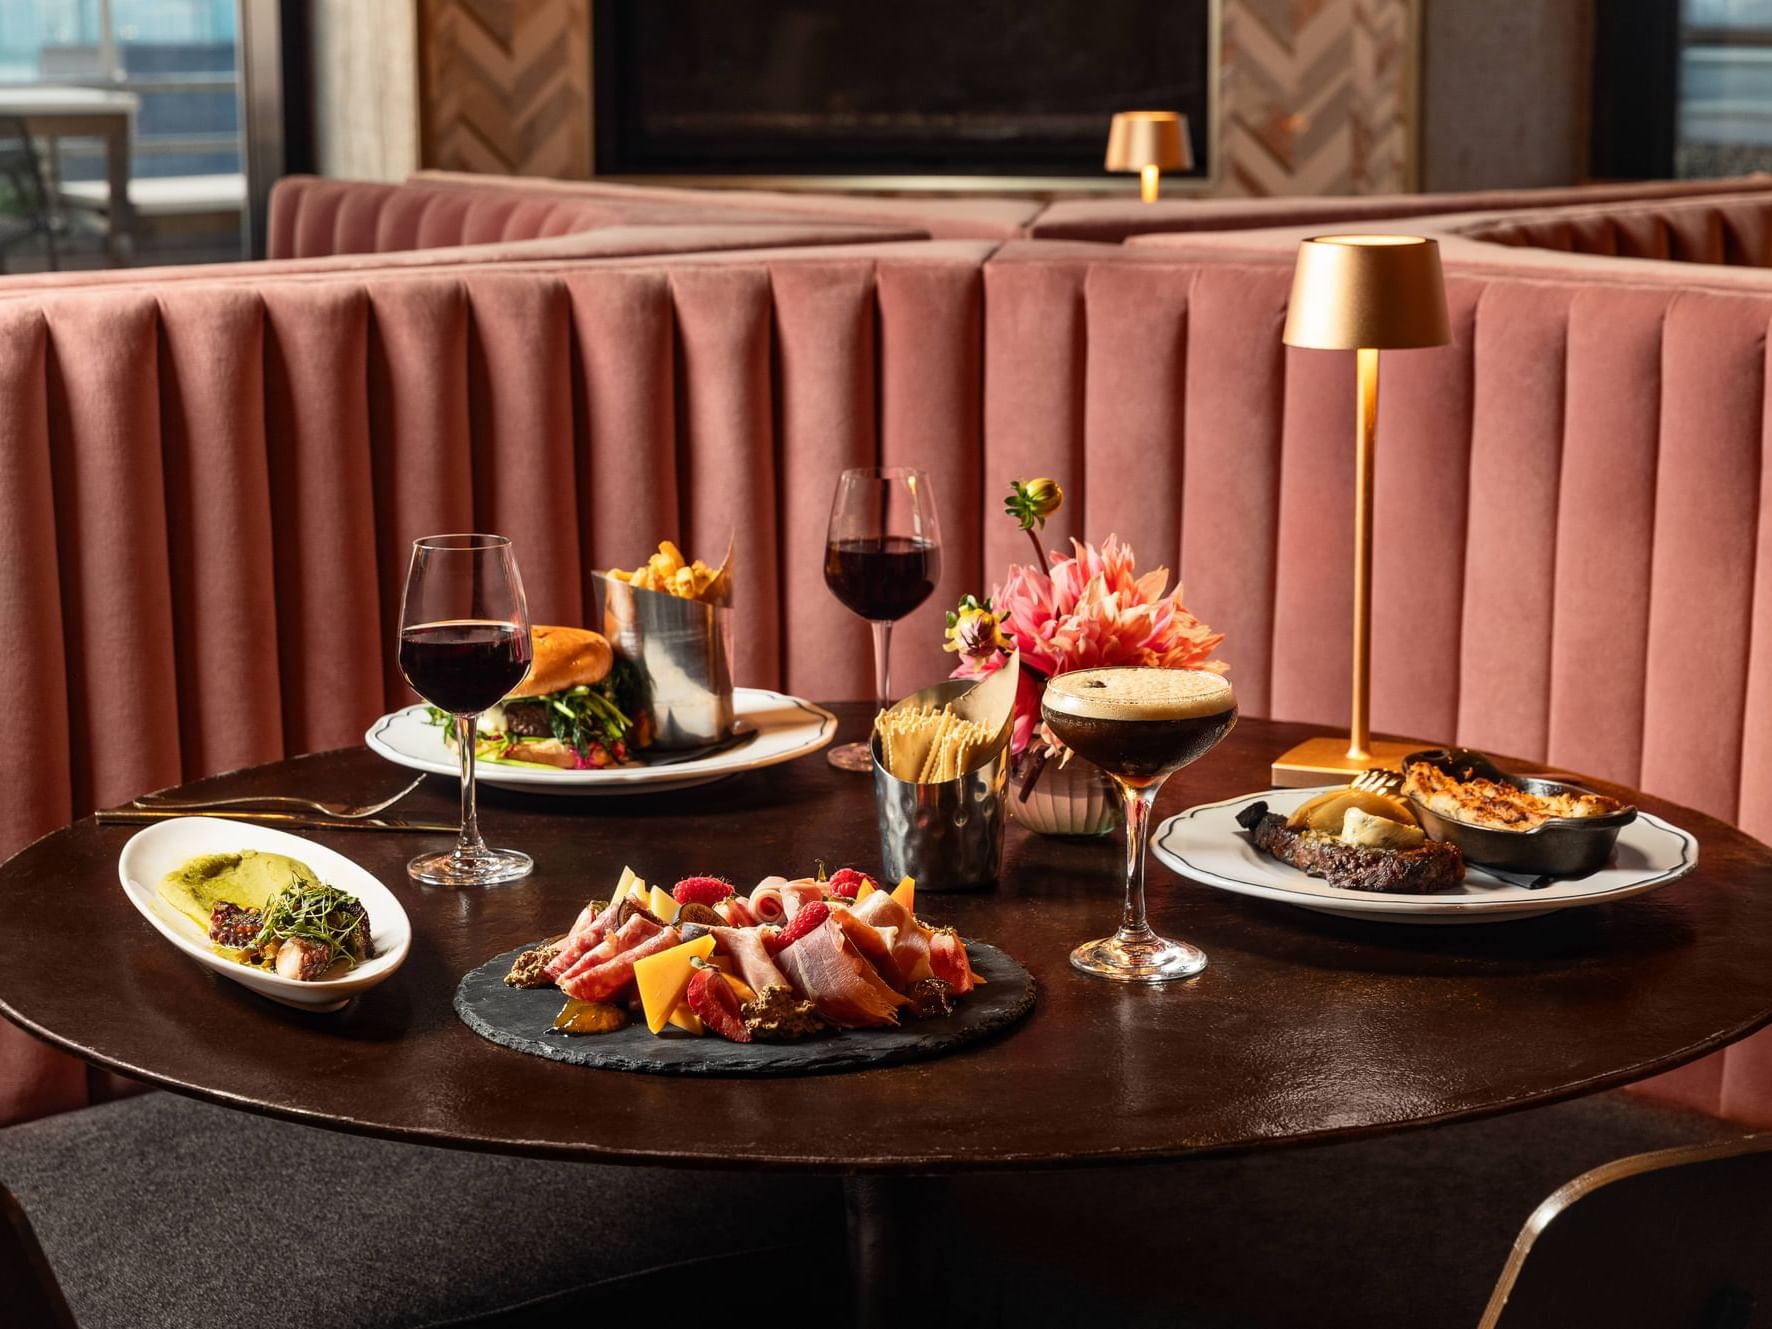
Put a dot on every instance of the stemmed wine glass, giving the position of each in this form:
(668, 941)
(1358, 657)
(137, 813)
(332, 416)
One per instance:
(1140, 724)
(464, 644)
(882, 559)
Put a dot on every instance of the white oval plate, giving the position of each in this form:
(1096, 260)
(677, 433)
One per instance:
(786, 727)
(1206, 844)
(164, 846)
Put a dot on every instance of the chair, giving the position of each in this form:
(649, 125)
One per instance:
(1678, 1239)
(24, 202)
(35, 1297)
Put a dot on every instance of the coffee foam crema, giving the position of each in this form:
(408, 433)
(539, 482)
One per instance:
(1137, 693)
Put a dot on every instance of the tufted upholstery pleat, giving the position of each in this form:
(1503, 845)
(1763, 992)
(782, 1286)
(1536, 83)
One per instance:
(220, 541)
(1605, 512)
(1510, 540)
(1708, 521)
(520, 412)
(828, 412)
(1035, 362)
(729, 470)
(931, 319)
(329, 642)
(111, 535)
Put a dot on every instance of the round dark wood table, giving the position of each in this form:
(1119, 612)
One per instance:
(1303, 1027)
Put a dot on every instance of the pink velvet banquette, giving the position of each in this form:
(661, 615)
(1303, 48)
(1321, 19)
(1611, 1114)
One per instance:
(209, 476)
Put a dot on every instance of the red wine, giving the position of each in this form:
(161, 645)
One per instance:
(882, 578)
(466, 665)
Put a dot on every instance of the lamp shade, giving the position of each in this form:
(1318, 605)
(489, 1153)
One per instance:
(1383, 292)
(1138, 139)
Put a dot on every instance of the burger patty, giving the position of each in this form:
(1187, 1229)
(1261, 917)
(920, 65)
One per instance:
(527, 719)
(1434, 866)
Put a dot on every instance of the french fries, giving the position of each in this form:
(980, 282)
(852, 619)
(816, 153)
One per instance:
(669, 572)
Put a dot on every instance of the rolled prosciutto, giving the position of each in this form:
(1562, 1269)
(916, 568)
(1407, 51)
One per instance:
(745, 946)
(904, 941)
(737, 912)
(947, 956)
(827, 970)
(776, 900)
(766, 902)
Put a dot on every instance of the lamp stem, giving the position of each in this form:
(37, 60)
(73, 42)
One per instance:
(1147, 182)
(1359, 746)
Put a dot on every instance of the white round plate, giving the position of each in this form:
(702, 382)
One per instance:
(785, 727)
(1206, 844)
(166, 845)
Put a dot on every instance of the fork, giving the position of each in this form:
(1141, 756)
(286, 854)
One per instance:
(340, 811)
(1377, 781)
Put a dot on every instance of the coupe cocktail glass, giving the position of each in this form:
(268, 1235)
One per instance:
(1140, 725)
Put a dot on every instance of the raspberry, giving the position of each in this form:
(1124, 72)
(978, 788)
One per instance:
(701, 890)
(847, 883)
(809, 917)
(711, 997)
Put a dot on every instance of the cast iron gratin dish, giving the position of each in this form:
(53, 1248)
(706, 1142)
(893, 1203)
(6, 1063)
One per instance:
(521, 1019)
(1559, 847)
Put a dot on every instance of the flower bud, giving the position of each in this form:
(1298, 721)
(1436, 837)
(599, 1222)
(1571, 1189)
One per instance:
(1030, 502)
(1044, 496)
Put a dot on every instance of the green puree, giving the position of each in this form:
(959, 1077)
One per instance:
(247, 879)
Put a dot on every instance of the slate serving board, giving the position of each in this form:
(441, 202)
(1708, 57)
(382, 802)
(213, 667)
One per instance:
(521, 1018)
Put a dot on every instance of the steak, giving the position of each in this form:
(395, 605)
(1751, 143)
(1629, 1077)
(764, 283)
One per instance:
(1434, 866)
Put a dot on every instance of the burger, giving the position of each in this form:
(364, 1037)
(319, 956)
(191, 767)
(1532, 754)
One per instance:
(577, 709)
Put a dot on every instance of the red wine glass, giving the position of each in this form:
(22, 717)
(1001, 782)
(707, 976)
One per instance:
(882, 559)
(464, 644)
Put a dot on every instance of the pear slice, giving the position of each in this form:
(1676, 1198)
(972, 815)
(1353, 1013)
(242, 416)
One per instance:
(1326, 812)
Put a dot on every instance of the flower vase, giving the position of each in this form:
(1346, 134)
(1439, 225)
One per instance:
(1075, 798)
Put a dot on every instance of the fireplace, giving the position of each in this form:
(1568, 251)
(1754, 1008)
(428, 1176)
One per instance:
(1002, 91)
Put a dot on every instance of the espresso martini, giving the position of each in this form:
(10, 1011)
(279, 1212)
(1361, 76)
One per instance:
(1140, 725)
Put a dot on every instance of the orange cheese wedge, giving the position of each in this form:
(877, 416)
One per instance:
(866, 889)
(688, 1021)
(906, 893)
(664, 978)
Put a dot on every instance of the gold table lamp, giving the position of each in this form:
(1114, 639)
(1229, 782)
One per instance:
(1149, 142)
(1363, 293)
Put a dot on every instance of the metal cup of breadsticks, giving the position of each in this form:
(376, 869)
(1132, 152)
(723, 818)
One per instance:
(941, 781)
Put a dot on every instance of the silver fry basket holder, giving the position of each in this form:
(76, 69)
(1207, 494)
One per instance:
(683, 650)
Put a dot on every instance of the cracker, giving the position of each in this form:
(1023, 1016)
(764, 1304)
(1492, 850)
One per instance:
(933, 759)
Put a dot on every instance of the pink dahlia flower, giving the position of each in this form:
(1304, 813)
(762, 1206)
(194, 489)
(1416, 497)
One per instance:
(1091, 609)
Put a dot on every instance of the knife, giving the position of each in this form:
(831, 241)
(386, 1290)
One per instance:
(129, 816)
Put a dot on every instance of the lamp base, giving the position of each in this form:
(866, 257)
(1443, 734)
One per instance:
(1325, 761)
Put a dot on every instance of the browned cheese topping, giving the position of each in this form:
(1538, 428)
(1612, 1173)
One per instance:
(1479, 802)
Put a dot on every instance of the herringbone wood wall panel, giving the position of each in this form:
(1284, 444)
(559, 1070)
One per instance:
(1316, 95)
(506, 86)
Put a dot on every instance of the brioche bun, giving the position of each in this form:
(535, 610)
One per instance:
(565, 658)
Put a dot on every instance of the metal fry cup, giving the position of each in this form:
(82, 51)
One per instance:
(947, 834)
(683, 650)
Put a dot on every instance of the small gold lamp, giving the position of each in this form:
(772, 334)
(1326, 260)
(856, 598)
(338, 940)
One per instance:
(1361, 293)
(1149, 142)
